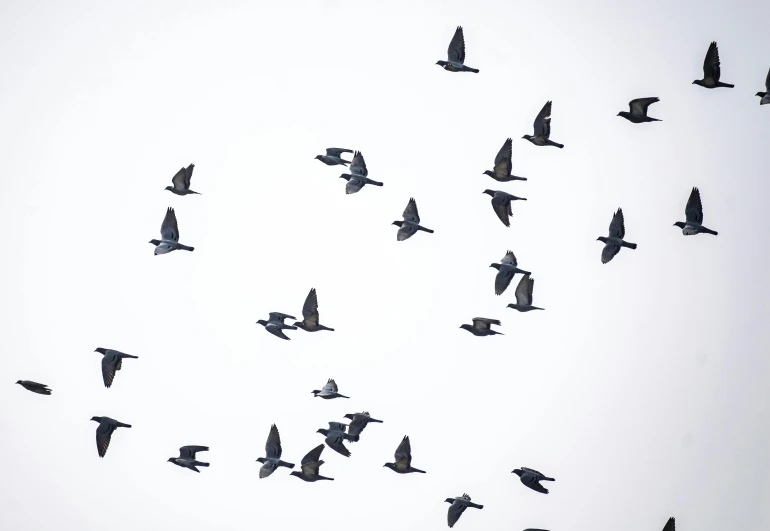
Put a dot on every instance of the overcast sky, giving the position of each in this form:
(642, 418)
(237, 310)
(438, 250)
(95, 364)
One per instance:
(642, 388)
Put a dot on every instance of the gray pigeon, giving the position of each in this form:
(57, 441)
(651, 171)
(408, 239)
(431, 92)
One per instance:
(273, 451)
(712, 70)
(181, 181)
(411, 223)
(112, 361)
(35, 387)
(336, 437)
(328, 391)
(524, 295)
(358, 175)
(765, 95)
(694, 215)
(333, 156)
(403, 459)
(503, 165)
(456, 54)
(169, 236)
(359, 421)
(670, 525)
(532, 478)
(638, 110)
(482, 327)
(276, 326)
(104, 432)
(458, 508)
(615, 241)
(187, 459)
(542, 126)
(506, 270)
(310, 313)
(501, 204)
(310, 465)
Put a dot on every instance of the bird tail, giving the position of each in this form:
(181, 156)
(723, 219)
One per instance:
(629, 245)
(426, 230)
(289, 327)
(726, 85)
(130, 356)
(324, 477)
(122, 425)
(185, 247)
(536, 308)
(547, 479)
(375, 183)
(322, 327)
(375, 420)
(418, 470)
(200, 463)
(475, 505)
(474, 70)
(709, 231)
(284, 463)
(514, 178)
(552, 143)
(343, 396)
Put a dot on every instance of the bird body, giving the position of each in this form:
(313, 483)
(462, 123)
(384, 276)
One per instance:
(104, 431)
(310, 315)
(482, 327)
(532, 478)
(693, 212)
(181, 182)
(328, 391)
(456, 54)
(712, 70)
(310, 465)
(359, 421)
(765, 96)
(638, 110)
(524, 295)
(336, 437)
(29, 385)
(457, 508)
(403, 459)
(614, 242)
(333, 156)
(411, 224)
(276, 326)
(506, 269)
(169, 234)
(503, 165)
(358, 176)
(542, 127)
(273, 452)
(112, 361)
(187, 458)
(501, 204)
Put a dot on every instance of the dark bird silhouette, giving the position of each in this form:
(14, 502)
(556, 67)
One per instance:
(542, 126)
(501, 204)
(532, 478)
(169, 236)
(310, 465)
(458, 507)
(638, 110)
(712, 70)
(403, 459)
(310, 313)
(482, 327)
(506, 269)
(187, 459)
(694, 214)
(411, 223)
(358, 176)
(273, 452)
(112, 361)
(333, 156)
(104, 432)
(503, 165)
(359, 421)
(29, 385)
(276, 326)
(181, 182)
(336, 437)
(456, 54)
(765, 95)
(524, 295)
(614, 242)
(328, 391)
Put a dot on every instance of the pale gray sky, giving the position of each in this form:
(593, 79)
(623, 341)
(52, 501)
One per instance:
(642, 388)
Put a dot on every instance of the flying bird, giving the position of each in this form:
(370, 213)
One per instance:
(456, 54)
(711, 70)
(694, 214)
(524, 295)
(359, 421)
(29, 385)
(169, 236)
(187, 459)
(614, 242)
(104, 432)
(532, 478)
(458, 507)
(765, 95)
(501, 204)
(310, 313)
(503, 165)
(276, 326)
(181, 182)
(482, 327)
(411, 223)
(336, 437)
(358, 176)
(506, 270)
(112, 361)
(403, 459)
(273, 451)
(328, 391)
(310, 465)
(333, 156)
(637, 112)
(542, 126)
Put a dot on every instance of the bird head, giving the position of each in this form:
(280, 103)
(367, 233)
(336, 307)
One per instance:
(318, 157)
(390, 465)
(489, 172)
(100, 350)
(496, 266)
(698, 82)
(450, 500)
(262, 322)
(322, 431)
(601, 239)
(679, 224)
(170, 460)
(441, 63)
(489, 192)
(350, 416)
(397, 223)
(528, 137)
(623, 113)
(18, 381)
(466, 327)
(169, 187)
(261, 460)
(518, 472)
(295, 473)
(315, 392)
(97, 419)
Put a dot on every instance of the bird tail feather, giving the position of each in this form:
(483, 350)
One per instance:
(284, 463)
(427, 230)
(629, 245)
(726, 85)
(122, 425)
(552, 143)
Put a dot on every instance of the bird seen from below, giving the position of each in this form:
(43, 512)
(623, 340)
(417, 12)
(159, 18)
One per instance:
(180, 183)
(765, 95)
(712, 70)
(411, 223)
(532, 478)
(456, 54)
(336, 437)
(503, 165)
(310, 314)
(328, 391)
(358, 176)
(403, 459)
(169, 236)
(112, 361)
(693, 212)
(614, 242)
(273, 452)
(637, 112)
(29, 385)
(359, 421)
(310, 465)
(506, 269)
(276, 326)
(187, 459)
(542, 127)
(457, 508)
(501, 204)
(524, 295)
(482, 327)
(104, 432)
(333, 156)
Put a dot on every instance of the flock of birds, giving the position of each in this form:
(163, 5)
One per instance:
(339, 432)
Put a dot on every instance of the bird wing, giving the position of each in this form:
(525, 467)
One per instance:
(503, 212)
(355, 183)
(405, 232)
(533, 471)
(404, 452)
(524, 291)
(179, 180)
(454, 512)
(103, 435)
(109, 367)
(188, 452)
(639, 105)
(456, 50)
(542, 123)
(767, 81)
(188, 175)
(410, 212)
(357, 425)
(312, 457)
(609, 251)
(169, 229)
(278, 316)
(273, 444)
(694, 209)
(337, 444)
(480, 323)
(330, 387)
(311, 304)
(509, 259)
(503, 279)
(617, 225)
(358, 165)
(337, 426)
(503, 163)
(711, 65)
(336, 152)
(670, 525)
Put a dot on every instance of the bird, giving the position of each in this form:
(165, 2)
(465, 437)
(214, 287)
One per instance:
(506, 270)
(456, 54)
(532, 478)
(328, 391)
(638, 110)
(336, 437)
(29, 385)
(482, 327)
(524, 295)
(310, 465)
(181, 182)
(187, 459)
(358, 176)
(693, 212)
(542, 126)
(403, 459)
(765, 95)
(359, 421)
(112, 361)
(169, 236)
(502, 169)
(614, 242)
(670, 525)
(712, 70)
(104, 432)
(276, 326)
(333, 156)
(458, 507)
(310, 313)
(273, 451)
(501, 204)
(411, 223)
